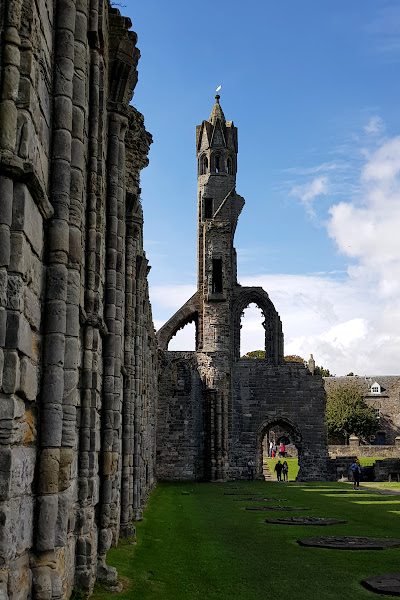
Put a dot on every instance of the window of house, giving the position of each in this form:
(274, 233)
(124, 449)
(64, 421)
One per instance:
(375, 388)
(217, 163)
(377, 413)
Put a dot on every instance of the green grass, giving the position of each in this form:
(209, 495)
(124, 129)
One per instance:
(394, 485)
(203, 545)
(368, 461)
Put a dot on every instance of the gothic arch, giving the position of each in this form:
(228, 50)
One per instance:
(187, 314)
(272, 324)
(203, 164)
(217, 162)
(285, 424)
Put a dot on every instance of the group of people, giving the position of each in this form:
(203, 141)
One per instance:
(273, 449)
(281, 470)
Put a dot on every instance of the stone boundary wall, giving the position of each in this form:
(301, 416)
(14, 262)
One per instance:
(78, 363)
(364, 451)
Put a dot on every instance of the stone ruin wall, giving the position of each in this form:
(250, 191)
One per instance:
(280, 397)
(180, 418)
(78, 365)
(284, 395)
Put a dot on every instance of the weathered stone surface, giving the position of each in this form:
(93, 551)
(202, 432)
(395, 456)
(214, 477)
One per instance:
(312, 521)
(277, 508)
(13, 426)
(26, 217)
(11, 372)
(19, 335)
(388, 584)
(28, 379)
(349, 543)
(257, 499)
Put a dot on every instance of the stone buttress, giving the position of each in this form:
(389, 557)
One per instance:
(215, 408)
(78, 373)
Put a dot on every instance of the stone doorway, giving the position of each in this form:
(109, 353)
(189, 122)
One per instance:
(280, 430)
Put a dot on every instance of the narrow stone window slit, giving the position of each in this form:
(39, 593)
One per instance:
(217, 276)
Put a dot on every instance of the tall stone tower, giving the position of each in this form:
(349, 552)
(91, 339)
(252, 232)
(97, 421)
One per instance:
(215, 409)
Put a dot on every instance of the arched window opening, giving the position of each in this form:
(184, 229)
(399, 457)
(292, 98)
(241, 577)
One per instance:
(203, 165)
(184, 340)
(278, 435)
(230, 166)
(252, 332)
(218, 164)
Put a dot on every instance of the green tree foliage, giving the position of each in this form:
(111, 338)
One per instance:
(295, 358)
(347, 412)
(324, 372)
(255, 354)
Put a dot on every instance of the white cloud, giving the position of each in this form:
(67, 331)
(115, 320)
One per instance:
(374, 126)
(170, 297)
(309, 191)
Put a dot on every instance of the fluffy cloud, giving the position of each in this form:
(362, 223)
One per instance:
(309, 191)
(375, 126)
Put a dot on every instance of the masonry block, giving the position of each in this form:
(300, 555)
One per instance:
(27, 218)
(19, 335)
(28, 379)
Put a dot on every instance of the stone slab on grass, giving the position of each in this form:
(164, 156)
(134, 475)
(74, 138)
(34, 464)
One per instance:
(242, 493)
(259, 499)
(321, 521)
(389, 584)
(285, 508)
(349, 543)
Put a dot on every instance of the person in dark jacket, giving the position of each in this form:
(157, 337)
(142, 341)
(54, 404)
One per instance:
(356, 470)
(251, 465)
(285, 470)
(278, 469)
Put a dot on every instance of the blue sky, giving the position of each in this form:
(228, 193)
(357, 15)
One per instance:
(314, 90)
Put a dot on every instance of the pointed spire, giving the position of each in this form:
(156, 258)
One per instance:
(217, 112)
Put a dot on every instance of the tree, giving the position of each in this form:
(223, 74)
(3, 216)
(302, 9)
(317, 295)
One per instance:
(255, 354)
(323, 372)
(295, 358)
(347, 412)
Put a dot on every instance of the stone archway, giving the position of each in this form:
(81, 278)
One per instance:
(277, 429)
(273, 346)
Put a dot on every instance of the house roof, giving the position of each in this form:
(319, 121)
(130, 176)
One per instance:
(385, 381)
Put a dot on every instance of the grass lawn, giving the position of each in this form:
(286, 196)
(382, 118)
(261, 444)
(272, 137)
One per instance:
(201, 544)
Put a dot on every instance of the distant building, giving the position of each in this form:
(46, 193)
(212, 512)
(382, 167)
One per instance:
(382, 392)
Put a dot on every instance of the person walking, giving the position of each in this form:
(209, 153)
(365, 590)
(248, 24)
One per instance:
(282, 450)
(270, 449)
(251, 465)
(274, 449)
(278, 469)
(355, 468)
(285, 470)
